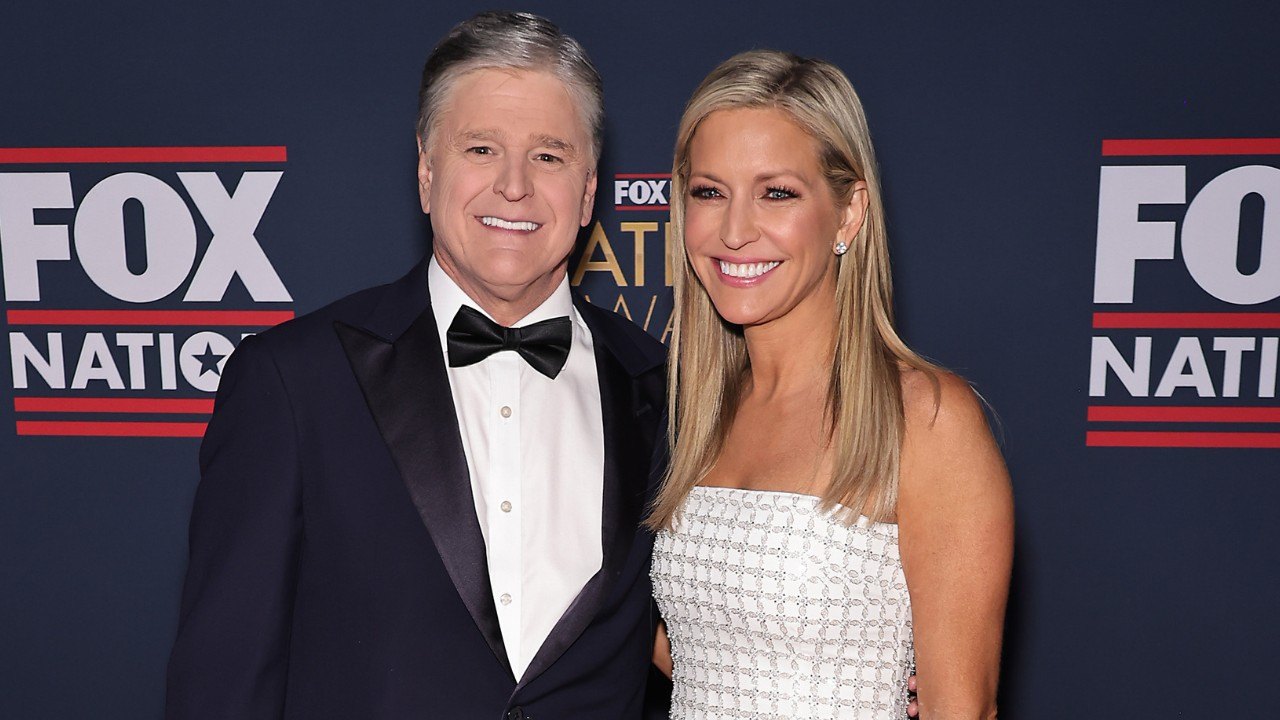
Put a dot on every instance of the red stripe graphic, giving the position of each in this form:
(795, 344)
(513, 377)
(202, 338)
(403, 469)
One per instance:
(1099, 438)
(1117, 413)
(111, 429)
(642, 176)
(193, 154)
(202, 406)
(1192, 146)
(641, 207)
(1158, 320)
(188, 318)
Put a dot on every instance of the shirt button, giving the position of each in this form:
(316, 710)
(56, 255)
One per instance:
(505, 599)
(505, 411)
(506, 506)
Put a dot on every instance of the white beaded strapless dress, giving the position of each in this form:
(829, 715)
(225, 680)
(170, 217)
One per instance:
(776, 610)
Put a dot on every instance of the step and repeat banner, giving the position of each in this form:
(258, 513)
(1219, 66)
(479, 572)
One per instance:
(1084, 208)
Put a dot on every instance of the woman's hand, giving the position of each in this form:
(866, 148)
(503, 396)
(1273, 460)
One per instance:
(662, 650)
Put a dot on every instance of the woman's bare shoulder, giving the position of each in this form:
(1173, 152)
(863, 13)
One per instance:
(939, 401)
(946, 438)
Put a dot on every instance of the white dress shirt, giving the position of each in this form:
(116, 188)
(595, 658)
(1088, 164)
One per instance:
(535, 452)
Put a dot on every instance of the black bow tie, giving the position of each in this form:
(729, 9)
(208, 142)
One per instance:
(544, 345)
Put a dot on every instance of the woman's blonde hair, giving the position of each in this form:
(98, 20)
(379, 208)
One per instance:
(709, 357)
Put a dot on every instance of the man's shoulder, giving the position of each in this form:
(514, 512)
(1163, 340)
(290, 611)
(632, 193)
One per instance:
(639, 350)
(309, 336)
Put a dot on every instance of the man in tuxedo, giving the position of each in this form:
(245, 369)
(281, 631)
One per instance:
(425, 499)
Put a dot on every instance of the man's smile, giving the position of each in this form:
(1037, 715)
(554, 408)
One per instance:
(504, 224)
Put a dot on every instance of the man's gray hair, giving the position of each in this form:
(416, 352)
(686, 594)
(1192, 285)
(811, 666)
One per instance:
(510, 40)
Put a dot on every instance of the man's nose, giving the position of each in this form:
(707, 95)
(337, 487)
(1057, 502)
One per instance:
(738, 225)
(513, 181)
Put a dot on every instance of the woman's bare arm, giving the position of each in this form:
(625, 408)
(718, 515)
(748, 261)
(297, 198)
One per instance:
(955, 514)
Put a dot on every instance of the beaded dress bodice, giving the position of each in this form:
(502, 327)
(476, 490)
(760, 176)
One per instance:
(777, 610)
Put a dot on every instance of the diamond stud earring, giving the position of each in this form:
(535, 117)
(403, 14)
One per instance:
(841, 248)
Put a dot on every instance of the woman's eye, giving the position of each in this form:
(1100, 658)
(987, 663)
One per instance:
(779, 193)
(702, 192)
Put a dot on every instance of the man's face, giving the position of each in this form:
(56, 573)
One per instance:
(508, 179)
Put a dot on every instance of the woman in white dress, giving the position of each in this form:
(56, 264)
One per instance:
(835, 512)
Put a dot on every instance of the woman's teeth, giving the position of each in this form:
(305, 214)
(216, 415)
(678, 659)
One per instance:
(509, 225)
(747, 270)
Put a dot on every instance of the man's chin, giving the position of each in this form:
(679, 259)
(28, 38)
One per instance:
(512, 282)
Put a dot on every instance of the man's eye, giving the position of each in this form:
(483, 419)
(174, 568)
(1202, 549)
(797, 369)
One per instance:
(548, 158)
(480, 150)
(780, 193)
(704, 192)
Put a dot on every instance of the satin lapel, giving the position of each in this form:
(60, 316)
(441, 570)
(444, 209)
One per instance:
(626, 464)
(407, 389)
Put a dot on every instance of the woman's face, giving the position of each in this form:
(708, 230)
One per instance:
(761, 220)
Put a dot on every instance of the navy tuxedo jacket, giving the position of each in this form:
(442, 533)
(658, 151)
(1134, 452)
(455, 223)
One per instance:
(337, 568)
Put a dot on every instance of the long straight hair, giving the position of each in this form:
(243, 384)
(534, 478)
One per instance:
(709, 362)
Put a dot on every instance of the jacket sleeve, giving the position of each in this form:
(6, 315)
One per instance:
(231, 655)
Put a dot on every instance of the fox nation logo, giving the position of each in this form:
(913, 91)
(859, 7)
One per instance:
(641, 191)
(128, 334)
(1186, 286)
(625, 264)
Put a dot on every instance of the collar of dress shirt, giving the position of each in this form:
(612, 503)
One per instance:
(447, 297)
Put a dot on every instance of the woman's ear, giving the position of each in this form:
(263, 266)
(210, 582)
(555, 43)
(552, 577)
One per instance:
(854, 214)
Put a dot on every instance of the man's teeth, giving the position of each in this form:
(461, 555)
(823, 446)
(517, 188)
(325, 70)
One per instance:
(508, 225)
(747, 270)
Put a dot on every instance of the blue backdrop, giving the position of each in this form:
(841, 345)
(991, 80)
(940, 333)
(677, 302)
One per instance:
(1115, 302)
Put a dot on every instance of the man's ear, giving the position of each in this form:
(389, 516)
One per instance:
(424, 177)
(589, 198)
(853, 215)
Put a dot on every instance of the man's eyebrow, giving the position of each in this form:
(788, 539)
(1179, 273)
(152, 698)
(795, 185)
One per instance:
(555, 143)
(482, 134)
(540, 140)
